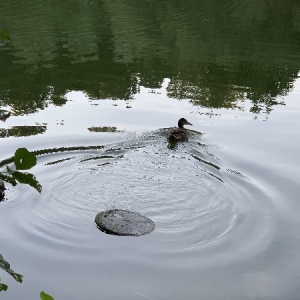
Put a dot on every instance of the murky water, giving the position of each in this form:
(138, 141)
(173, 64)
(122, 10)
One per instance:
(116, 74)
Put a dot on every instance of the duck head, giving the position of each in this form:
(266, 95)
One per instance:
(182, 122)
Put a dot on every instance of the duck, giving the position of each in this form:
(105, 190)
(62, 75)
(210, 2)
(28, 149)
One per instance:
(179, 134)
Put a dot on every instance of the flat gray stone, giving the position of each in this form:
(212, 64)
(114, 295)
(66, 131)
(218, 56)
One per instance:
(123, 222)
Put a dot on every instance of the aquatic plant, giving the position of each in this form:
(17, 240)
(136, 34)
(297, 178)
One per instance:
(22, 160)
(45, 296)
(6, 267)
(18, 277)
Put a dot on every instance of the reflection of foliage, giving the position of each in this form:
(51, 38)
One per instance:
(216, 92)
(59, 100)
(103, 129)
(4, 35)
(4, 114)
(217, 89)
(214, 55)
(18, 131)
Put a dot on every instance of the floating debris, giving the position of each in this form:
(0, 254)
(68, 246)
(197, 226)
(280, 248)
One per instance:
(123, 222)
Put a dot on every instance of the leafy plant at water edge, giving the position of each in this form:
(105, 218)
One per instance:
(3, 287)
(23, 160)
(6, 267)
(45, 296)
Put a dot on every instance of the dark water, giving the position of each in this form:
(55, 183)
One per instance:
(116, 74)
(213, 54)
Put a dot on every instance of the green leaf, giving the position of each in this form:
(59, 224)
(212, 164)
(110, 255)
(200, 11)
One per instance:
(3, 287)
(17, 277)
(45, 296)
(27, 178)
(8, 179)
(24, 159)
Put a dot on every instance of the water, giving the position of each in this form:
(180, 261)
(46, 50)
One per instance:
(225, 204)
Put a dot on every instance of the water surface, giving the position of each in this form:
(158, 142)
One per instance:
(115, 74)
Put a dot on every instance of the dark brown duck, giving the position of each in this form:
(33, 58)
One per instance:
(179, 134)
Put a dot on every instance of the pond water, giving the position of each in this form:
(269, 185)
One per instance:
(114, 75)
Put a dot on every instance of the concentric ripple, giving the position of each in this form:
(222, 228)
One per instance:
(202, 210)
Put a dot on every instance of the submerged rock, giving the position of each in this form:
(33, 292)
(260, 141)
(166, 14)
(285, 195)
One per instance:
(123, 222)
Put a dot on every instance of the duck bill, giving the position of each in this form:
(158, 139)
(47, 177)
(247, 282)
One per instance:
(188, 123)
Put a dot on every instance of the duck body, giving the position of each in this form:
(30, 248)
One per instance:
(179, 134)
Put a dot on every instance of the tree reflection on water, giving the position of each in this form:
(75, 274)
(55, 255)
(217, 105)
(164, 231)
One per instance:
(215, 55)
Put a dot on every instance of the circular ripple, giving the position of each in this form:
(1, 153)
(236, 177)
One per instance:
(201, 211)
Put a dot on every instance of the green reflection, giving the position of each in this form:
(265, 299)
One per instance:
(215, 53)
(4, 114)
(103, 129)
(4, 35)
(18, 131)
